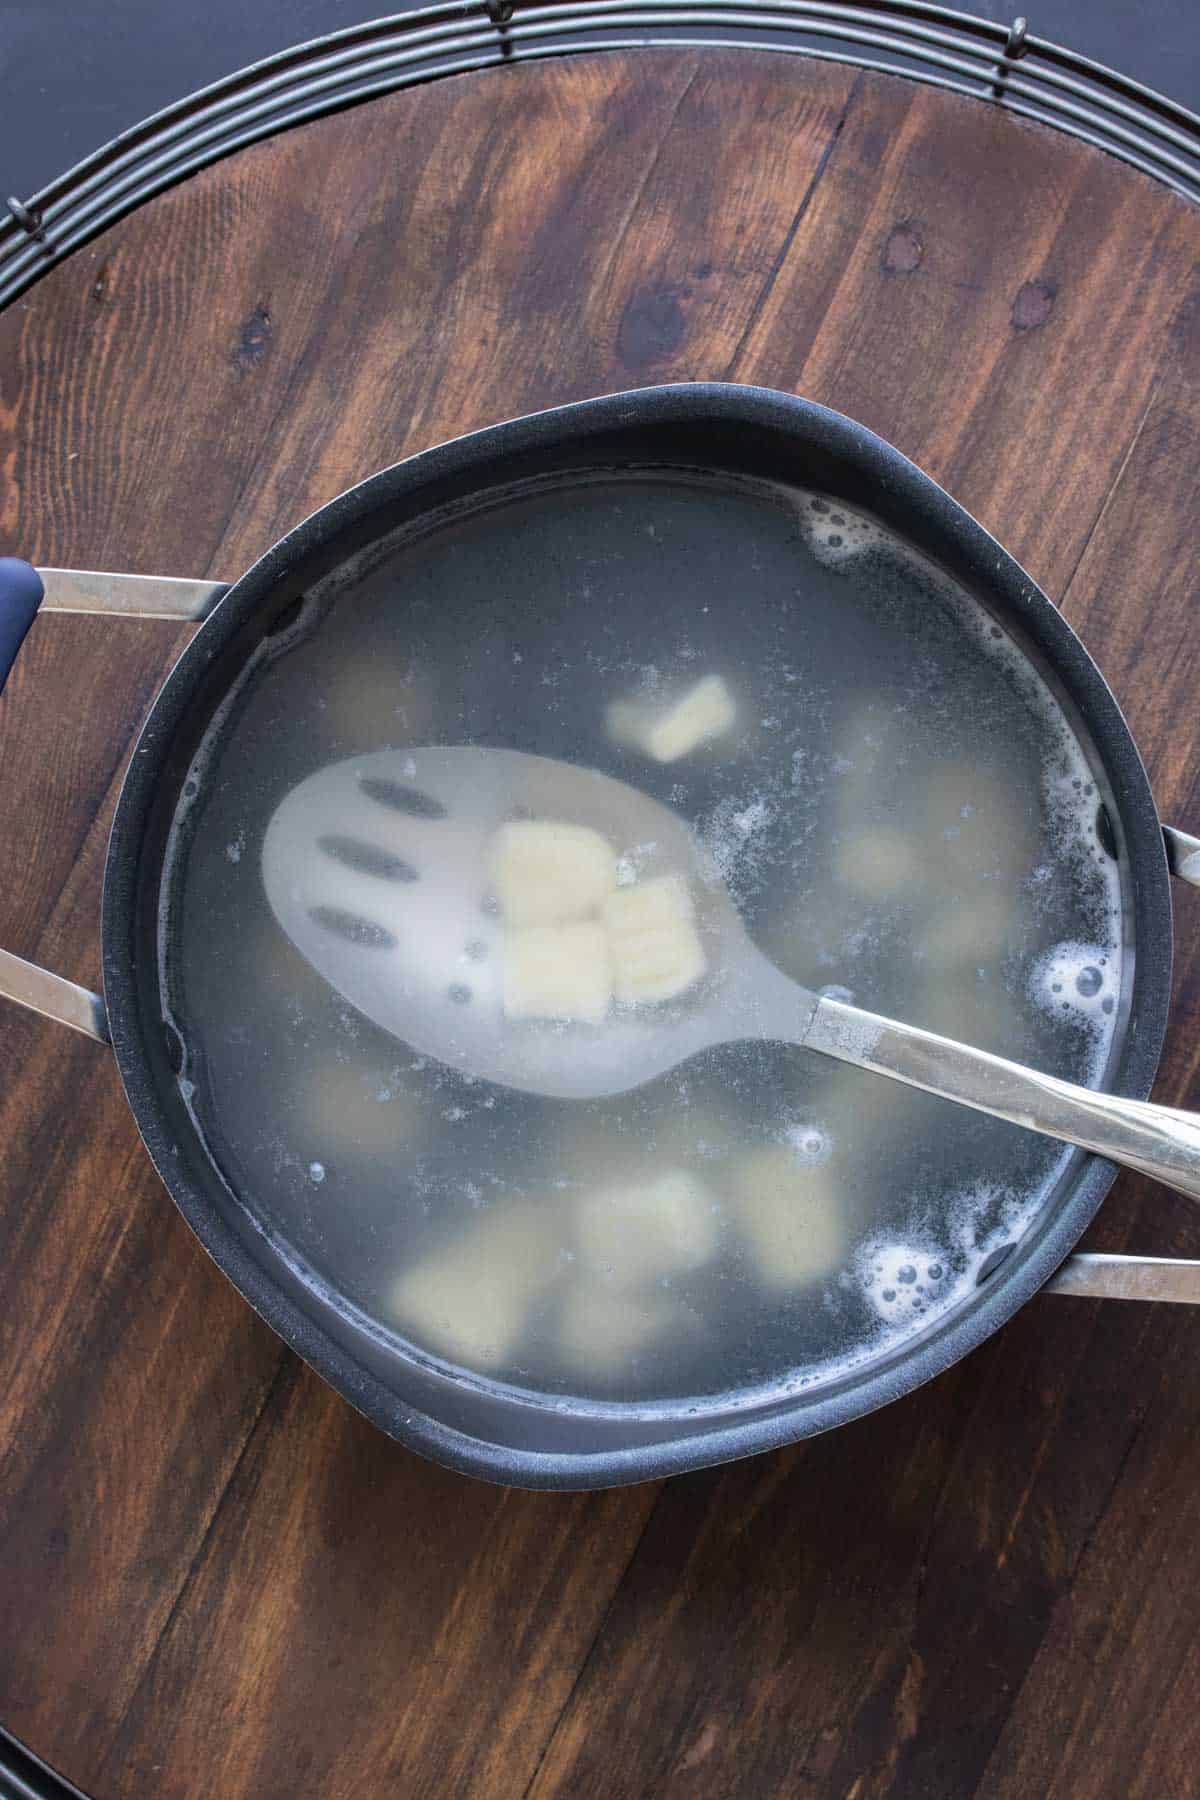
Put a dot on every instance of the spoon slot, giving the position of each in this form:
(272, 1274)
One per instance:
(400, 798)
(364, 933)
(367, 859)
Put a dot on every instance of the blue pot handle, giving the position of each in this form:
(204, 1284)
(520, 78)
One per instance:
(20, 596)
(22, 593)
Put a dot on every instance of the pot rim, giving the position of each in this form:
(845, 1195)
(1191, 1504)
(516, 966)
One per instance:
(902, 491)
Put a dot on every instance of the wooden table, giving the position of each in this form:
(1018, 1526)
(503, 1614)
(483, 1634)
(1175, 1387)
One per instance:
(217, 1580)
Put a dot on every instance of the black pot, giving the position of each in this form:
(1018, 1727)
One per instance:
(482, 1428)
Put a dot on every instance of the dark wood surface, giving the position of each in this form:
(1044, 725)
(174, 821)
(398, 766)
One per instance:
(215, 1579)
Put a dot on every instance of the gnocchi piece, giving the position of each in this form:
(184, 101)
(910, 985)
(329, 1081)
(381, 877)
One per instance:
(558, 972)
(696, 1130)
(868, 1112)
(600, 1329)
(343, 1108)
(655, 947)
(881, 863)
(866, 744)
(812, 936)
(370, 702)
(660, 1225)
(470, 1301)
(677, 728)
(547, 873)
(981, 1013)
(790, 1218)
(972, 929)
(977, 825)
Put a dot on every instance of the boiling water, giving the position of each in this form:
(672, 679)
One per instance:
(900, 812)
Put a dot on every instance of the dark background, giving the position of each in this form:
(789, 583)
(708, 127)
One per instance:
(73, 73)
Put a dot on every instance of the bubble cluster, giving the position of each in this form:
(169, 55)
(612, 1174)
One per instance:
(1080, 981)
(835, 533)
(902, 1282)
(910, 1281)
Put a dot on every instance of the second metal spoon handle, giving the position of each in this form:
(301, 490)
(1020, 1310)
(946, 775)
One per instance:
(1157, 1140)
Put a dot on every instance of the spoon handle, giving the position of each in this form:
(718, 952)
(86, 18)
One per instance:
(1157, 1140)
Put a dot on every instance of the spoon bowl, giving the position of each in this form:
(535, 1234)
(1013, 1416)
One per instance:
(377, 870)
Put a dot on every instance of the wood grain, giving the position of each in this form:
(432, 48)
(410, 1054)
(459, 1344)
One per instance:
(215, 1578)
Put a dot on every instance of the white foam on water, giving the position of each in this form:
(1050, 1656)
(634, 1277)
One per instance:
(902, 1282)
(734, 840)
(1065, 980)
(912, 1282)
(836, 534)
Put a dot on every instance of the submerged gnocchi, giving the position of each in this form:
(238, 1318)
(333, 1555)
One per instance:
(658, 1225)
(670, 729)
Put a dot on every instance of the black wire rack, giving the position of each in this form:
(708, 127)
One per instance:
(24, 1776)
(1004, 66)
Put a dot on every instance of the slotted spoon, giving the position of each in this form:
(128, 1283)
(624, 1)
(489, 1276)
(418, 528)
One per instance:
(376, 868)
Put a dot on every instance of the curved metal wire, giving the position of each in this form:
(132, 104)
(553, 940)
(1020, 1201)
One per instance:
(1000, 64)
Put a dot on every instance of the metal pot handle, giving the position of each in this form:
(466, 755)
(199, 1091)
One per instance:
(24, 591)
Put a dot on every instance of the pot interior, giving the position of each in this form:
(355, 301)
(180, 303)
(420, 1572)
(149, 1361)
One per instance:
(903, 801)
